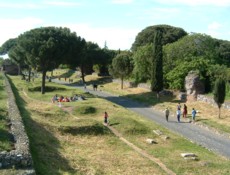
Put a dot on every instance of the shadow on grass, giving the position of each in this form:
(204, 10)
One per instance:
(6, 140)
(113, 124)
(141, 100)
(100, 81)
(95, 129)
(201, 119)
(43, 144)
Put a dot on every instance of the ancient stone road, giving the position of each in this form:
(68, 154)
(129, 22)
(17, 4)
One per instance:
(204, 137)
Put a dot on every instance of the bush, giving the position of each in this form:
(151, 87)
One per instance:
(87, 110)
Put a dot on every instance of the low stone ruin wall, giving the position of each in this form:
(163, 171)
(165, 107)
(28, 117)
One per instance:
(20, 156)
(132, 84)
(211, 101)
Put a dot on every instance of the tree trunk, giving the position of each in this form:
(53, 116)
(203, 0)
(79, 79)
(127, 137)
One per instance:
(19, 69)
(82, 74)
(29, 75)
(122, 82)
(158, 96)
(219, 112)
(43, 82)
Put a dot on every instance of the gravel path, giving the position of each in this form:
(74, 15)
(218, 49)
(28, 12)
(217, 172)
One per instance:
(200, 135)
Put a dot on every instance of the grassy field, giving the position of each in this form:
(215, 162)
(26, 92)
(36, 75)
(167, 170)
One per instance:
(73, 140)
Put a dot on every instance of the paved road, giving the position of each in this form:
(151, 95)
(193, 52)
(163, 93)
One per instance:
(204, 137)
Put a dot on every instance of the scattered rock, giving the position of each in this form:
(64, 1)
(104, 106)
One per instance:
(164, 137)
(189, 156)
(158, 132)
(151, 141)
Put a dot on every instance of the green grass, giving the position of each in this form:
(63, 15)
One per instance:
(62, 144)
(219, 127)
(5, 137)
(80, 144)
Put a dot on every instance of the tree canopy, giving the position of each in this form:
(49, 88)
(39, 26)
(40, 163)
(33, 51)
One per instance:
(47, 47)
(192, 52)
(157, 63)
(4, 49)
(170, 34)
(122, 66)
(142, 63)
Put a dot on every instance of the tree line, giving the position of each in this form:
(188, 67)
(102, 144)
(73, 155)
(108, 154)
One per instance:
(161, 54)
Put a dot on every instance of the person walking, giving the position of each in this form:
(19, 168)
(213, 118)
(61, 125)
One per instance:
(167, 114)
(178, 113)
(178, 106)
(193, 114)
(185, 111)
(106, 118)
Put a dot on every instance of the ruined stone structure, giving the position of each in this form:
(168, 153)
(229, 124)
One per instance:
(20, 156)
(193, 85)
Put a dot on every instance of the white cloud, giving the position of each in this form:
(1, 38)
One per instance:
(38, 5)
(215, 29)
(12, 28)
(214, 26)
(223, 3)
(122, 1)
(19, 5)
(61, 3)
(160, 14)
(115, 37)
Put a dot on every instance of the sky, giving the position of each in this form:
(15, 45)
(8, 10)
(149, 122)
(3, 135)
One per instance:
(115, 23)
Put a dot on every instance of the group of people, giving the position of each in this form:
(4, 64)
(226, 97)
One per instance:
(76, 97)
(184, 112)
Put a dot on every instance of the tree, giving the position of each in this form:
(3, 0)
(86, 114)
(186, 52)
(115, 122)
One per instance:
(18, 57)
(122, 66)
(47, 47)
(142, 58)
(157, 63)
(170, 34)
(219, 93)
(181, 56)
(4, 49)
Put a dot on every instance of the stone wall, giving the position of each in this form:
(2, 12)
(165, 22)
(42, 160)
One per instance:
(20, 156)
(132, 84)
(211, 101)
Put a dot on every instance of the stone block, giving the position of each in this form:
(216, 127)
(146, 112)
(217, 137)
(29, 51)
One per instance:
(151, 141)
(158, 132)
(189, 156)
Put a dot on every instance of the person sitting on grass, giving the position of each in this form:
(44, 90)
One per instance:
(54, 98)
(61, 99)
(66, 99)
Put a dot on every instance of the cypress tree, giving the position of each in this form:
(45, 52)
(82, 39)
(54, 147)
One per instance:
(219, 93)
(157, 63)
